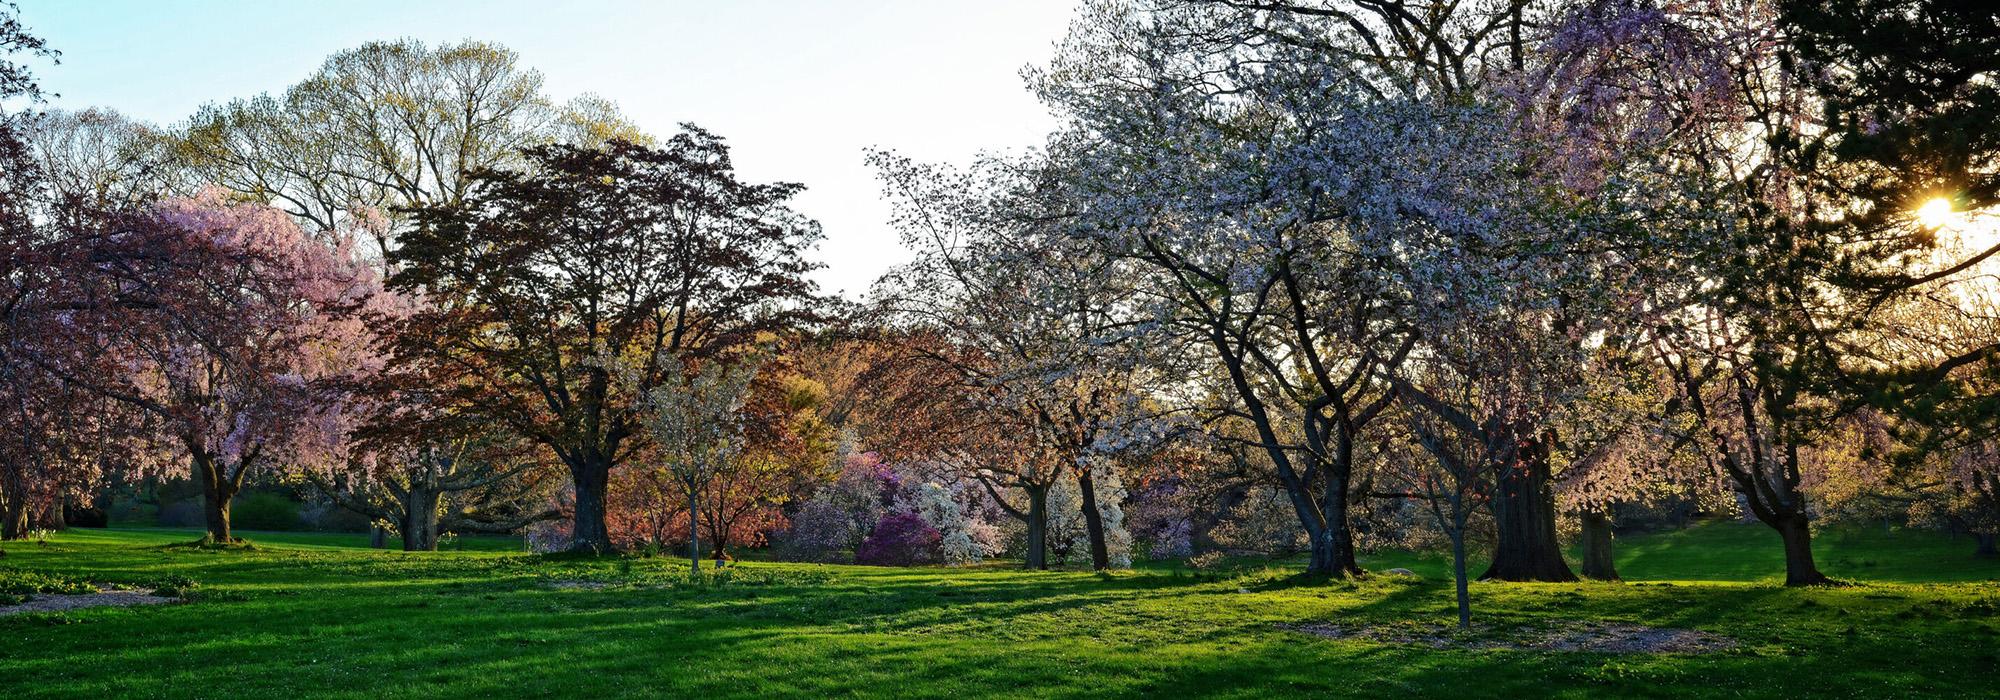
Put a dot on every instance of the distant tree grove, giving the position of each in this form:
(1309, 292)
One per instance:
(1301, 277)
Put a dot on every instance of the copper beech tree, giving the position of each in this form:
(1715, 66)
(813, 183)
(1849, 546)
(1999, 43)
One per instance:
(625, 252)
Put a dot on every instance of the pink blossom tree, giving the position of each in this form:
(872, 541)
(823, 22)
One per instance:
(215, 322)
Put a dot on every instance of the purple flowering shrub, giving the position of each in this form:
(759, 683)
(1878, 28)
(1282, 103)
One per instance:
(900, 539)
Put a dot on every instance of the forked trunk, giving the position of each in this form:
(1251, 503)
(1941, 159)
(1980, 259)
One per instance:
(1038, 527)
(1093, 521)
(1799, 568)
(1597, 561)
(718, 546)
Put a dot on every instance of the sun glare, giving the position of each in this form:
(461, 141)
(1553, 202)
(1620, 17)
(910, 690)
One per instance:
(1935, 214)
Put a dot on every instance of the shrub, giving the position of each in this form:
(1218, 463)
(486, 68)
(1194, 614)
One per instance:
(820, 532)
(900, 539)
(265, 511)
(1205, 560)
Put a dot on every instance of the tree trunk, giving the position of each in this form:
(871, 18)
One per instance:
(420, 519)
(718, 543)
(1338, 537)
(1093, 521)
(1038, 526)
(1524, 518)
(216, 492)
(1987, 542)
(590, 474)
(13, 514)
(53, 519)
(1458, 572)
(378, 538)
(1799, 568)
(1597, 562)
(694, 531)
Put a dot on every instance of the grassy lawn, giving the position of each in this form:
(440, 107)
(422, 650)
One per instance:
(322, 616)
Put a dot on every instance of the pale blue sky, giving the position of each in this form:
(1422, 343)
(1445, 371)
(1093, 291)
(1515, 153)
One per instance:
(799, 88)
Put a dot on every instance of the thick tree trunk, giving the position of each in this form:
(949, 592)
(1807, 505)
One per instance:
(1799, 569)
(1326, 527)
(1038, 527)
(1093, 521)
(1987, 544)
(588, 533)
(13, 514)
(1337, 536)
(216, 492)
(420, 519)
(377, 536)
(1524, 518)
(1597, 562)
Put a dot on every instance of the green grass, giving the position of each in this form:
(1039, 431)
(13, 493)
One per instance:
(309, 615)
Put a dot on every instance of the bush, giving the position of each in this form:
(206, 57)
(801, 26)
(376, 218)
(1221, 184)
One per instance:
(900, 539)
(820, 531)
(264, 511)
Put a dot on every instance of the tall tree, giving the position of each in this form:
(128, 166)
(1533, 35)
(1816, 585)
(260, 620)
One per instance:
(624, 253)
(389, 125)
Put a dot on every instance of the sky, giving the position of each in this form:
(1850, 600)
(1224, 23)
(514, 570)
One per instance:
(799, 88)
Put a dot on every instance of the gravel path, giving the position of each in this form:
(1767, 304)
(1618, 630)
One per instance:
(108, 597)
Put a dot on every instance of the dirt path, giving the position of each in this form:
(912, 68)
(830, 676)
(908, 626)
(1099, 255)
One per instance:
(55, 602)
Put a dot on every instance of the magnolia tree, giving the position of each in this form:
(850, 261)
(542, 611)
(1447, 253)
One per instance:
(1042, 322)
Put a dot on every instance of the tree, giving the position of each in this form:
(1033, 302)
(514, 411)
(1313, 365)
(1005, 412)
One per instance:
(627, 253)
(210, 320)
(379, 447)
(696, 422)
(98, 159)
(1816, 244)
(1038, 314)
(1452, 478)
(389, 125)
(787, 449)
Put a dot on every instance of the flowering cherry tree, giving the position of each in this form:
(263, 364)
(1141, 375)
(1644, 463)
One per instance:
(212, 320)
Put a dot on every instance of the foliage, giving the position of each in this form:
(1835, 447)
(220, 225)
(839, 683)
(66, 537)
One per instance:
(624, 255)
(900, 539)
(263, 510)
